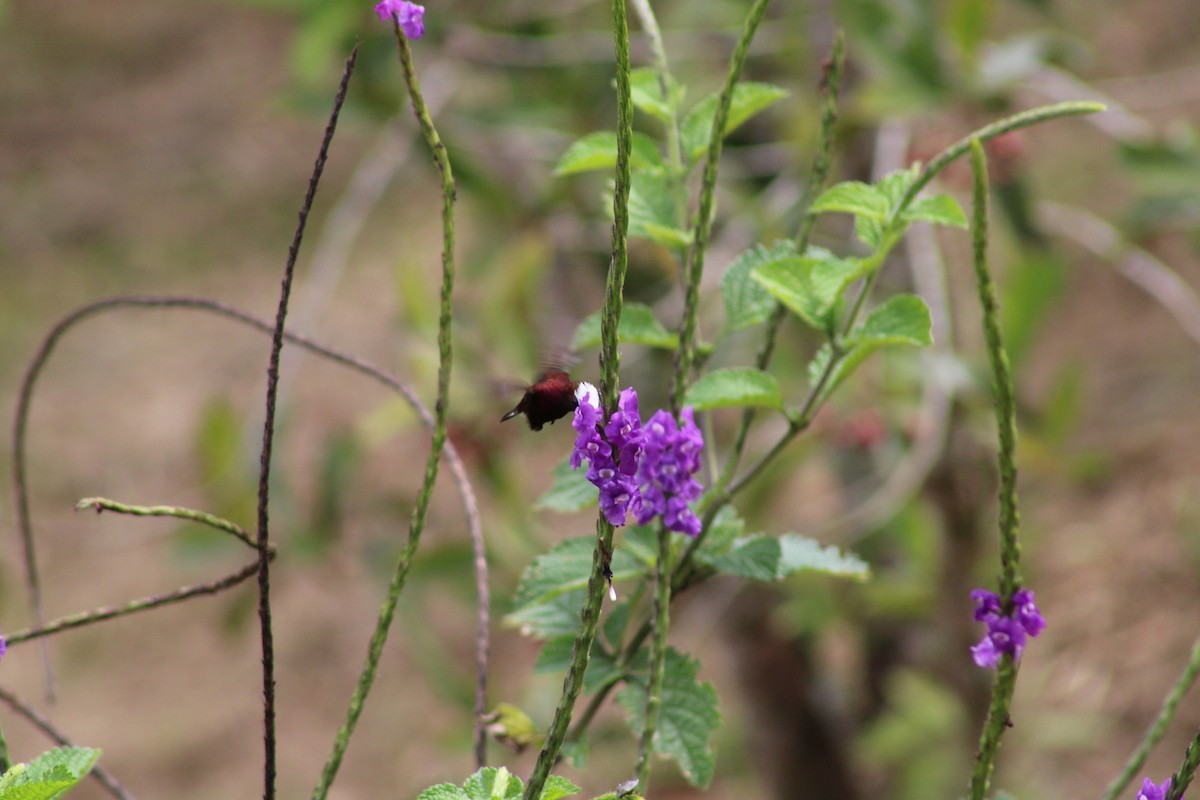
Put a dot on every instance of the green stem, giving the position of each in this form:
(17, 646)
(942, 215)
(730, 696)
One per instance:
(1165, 715)
(104, 504)
(1006, 423)
(675, 168)
(658, 656)
(1187, 770)
(816, 181)
(438, 439)
(708, 184)
(610, 361)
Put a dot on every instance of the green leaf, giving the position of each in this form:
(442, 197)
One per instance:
(799, 553)
(48, 776)
(747, 302)
(810, 285)
(852, 197)
(647, 95)
(893, 185)
(557, 787)
(598, 151)
(941, 209)
(638, 326)
(555, 656)
(686, 719)
(566, 568)
(755, 558)
(553, 618)
(444, 791)
(734, 386)
(652, 211)
(570, 491)
(903, 319)
(491, 783)
(725, 528)
(695, 132)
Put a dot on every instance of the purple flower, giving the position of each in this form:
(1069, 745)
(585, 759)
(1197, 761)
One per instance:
(986, 604)
(624, 431)
(410, 16)
(670, 457)
(644, 471)
(1006, 633)
(1027, 612)
(1005, 636)
(1151, 792)
(3, 646)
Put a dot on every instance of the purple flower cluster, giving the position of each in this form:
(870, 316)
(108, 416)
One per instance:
(410, 16)
(3, 646)
(644, 470)
(1151, 792)
(1005, 632)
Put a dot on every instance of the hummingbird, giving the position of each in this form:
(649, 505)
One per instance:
(550, 398)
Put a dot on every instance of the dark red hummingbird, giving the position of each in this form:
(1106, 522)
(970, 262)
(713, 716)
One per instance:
(550, 398)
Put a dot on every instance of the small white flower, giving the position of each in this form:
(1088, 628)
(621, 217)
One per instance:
(586, 394)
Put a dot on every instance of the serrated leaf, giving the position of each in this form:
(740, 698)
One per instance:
(598, 151)
(725, 528)
(695, 132)
(687, 717)
(569, 493)
(566, 568)
(734, 386)
(652, 211)
(799, 553)
(755, 558)
(555, 656)
(638, 325)
(852, 197)
(557, 787)
(903, 319)
(747, 302)
(810, 285)
(444, 791)
(492, 783)
(556, 617)
(48, 776)
(941, 209)
(647, 94)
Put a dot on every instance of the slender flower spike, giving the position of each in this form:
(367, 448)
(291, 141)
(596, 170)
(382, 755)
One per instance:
(1006, 633)
(410, 16)
(1151, 792)
(670, 459)
(617, 489)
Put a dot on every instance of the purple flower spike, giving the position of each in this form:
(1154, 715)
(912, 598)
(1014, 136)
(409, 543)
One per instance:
(670, 457)
(1006, 633)
(3, 646)
(624, 431)
(410, 16)
(1151, 792)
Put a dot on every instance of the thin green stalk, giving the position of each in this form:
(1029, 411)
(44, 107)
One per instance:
(675, 167)
(438, 440)
(1155, 733)
(658, 656)
(133, 606)
(1187, 770)
(610, 362)
(5, 761)
(1006, 423)
(685, 354)
(101, 504)
(816, 181)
